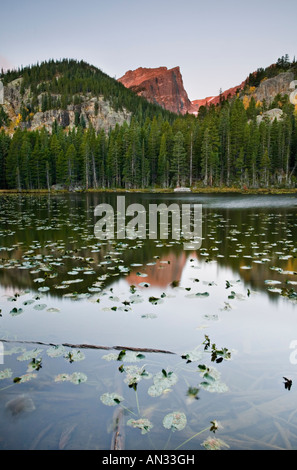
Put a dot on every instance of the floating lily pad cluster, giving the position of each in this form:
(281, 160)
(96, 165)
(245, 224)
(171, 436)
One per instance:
(61, 254)
(34, 359)
(163, 382)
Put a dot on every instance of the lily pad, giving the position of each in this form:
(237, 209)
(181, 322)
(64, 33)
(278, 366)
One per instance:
(74, 356)
(128, 356)
(16, 311)
(75, 378)
(28, 355)
(212, 443)
(144, 424)
(175, 421)
(5, 374)
(56, 351)
(43, 289)
(271, 282)
(163, 381)
(134, 375)
(194, 355)
(40, 306)
(111, 399)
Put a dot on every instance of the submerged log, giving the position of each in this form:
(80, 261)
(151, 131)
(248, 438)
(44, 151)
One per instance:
(118, 437)
(91, 346)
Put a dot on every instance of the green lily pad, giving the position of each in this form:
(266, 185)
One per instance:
(5, 374)
(111, 399)
(16, 311)
(56, 351)
(75, 378)
(40, 306)
(74, 356)
(43, 289)
(128, 356)
(143, 424)
(194, 355)
(162, 382)
(28, 355)
(175, 421)
(212, 443)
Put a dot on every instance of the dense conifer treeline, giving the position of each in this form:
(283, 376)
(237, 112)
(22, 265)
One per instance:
(222, 146)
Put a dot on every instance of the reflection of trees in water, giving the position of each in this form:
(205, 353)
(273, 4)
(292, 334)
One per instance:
(262, 236)
(62, 228)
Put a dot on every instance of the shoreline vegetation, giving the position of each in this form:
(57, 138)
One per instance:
(199, 190)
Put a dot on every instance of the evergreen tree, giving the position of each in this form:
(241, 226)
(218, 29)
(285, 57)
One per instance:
(25, 162)
(71, 165)
(13, 162)
(153, 148)
(265, 167)
(163, 165)
(4, 149)
(238, 119)
(178, 164)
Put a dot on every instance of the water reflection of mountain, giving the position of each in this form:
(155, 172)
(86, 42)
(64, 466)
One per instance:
(56, 233)
(162, 273)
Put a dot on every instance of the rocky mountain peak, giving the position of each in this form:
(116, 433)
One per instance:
(161, 86)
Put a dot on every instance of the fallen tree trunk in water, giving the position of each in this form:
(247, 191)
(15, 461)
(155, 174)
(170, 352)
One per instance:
(118, 437)
(90, 346)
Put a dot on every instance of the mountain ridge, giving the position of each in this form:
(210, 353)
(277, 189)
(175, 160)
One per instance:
(156, 85)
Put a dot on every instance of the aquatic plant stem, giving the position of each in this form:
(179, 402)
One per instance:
(190, 438)
(137, 402)
(5, 388)
(170, 434)
(127, 409)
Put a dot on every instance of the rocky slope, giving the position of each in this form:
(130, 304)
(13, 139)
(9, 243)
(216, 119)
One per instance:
(268, 89)
(95, 111)
(160, 86)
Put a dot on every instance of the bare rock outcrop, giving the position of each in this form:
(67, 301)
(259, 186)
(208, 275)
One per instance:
(268, 89)
(160, 86)
(95, 111)
(271, 115)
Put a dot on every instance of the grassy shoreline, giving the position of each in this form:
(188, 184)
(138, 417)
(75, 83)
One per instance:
(204, 190)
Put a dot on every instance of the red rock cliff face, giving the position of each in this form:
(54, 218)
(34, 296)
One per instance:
(160, 86)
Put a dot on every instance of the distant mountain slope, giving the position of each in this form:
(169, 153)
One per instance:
(224, 95)
(69, 93)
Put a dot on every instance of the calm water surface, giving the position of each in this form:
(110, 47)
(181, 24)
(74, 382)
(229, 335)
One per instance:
(105, 339)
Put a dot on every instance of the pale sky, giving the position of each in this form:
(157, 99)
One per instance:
(215, 43)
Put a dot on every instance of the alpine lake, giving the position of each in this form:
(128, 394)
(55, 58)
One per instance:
(139, 343)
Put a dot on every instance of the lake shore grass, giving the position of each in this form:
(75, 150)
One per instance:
(195, 190)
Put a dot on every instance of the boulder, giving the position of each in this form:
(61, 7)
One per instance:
(271, 115)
